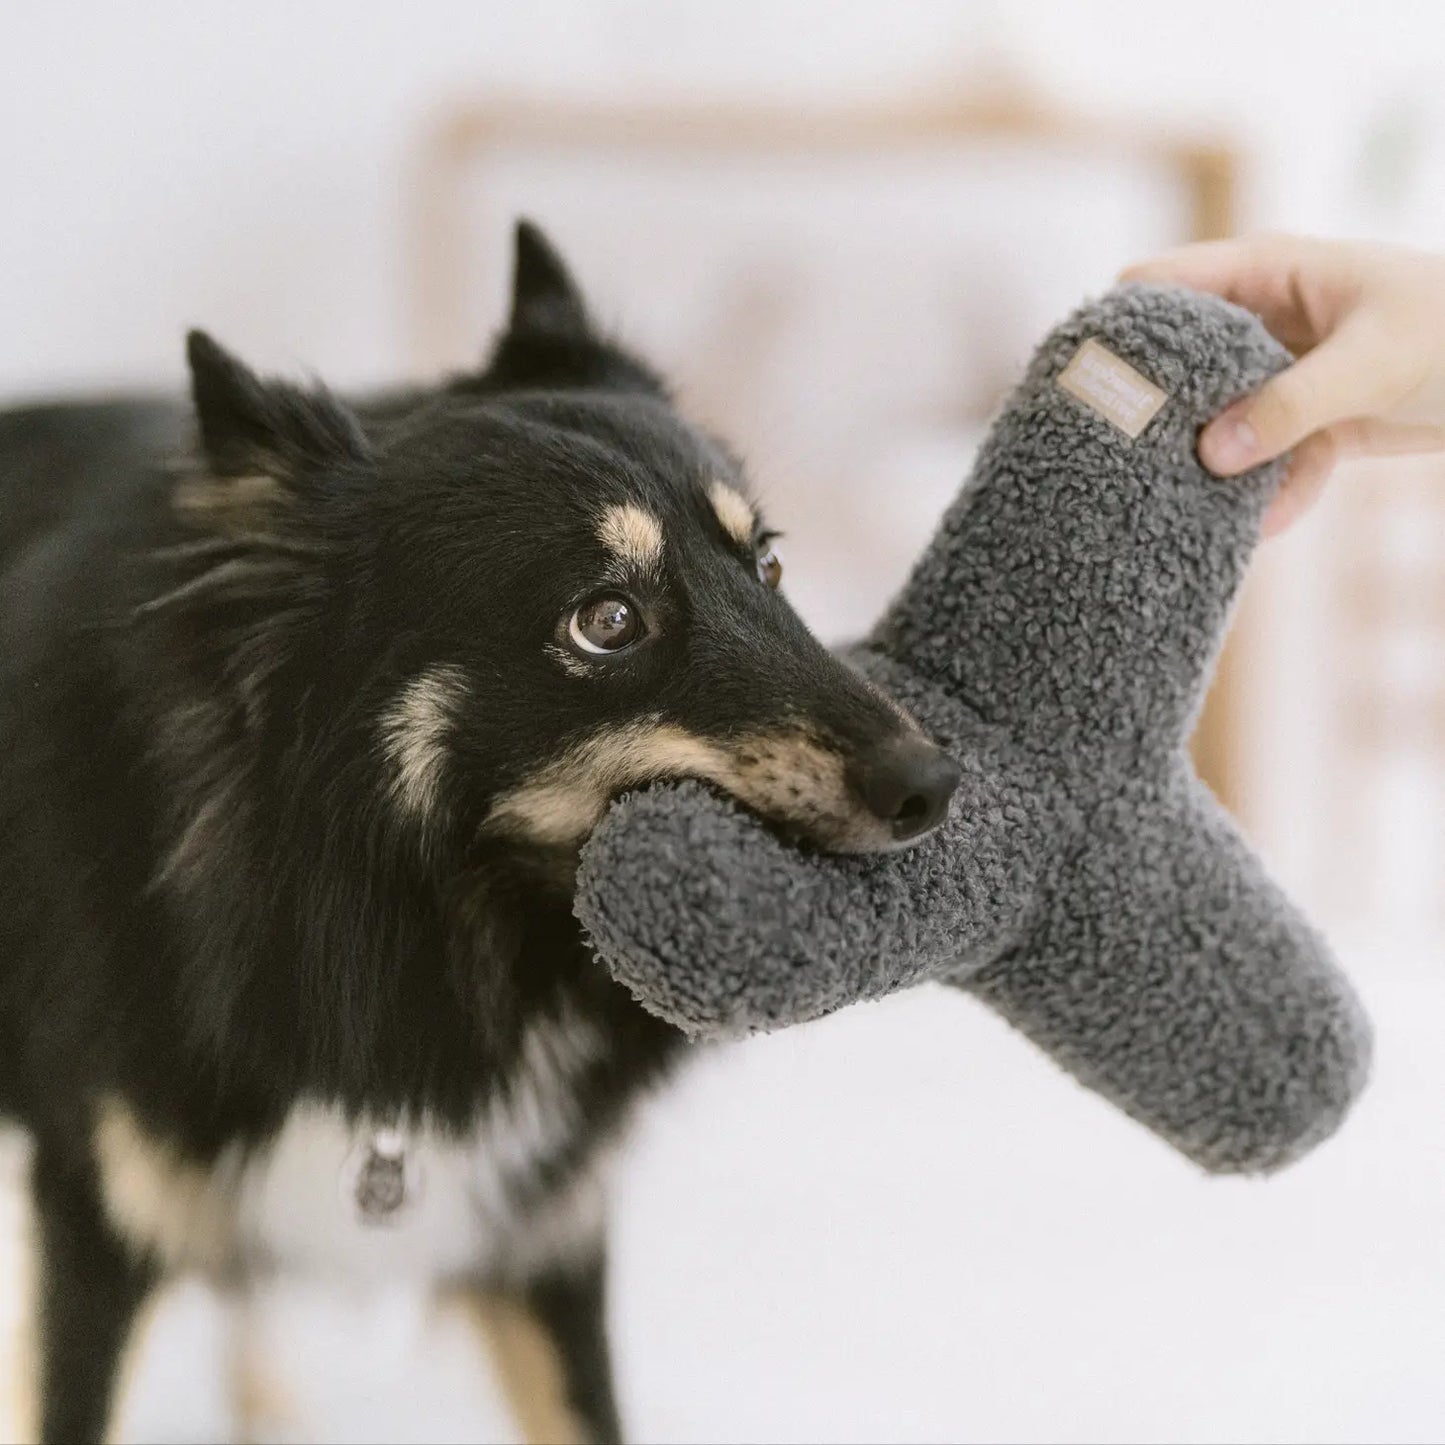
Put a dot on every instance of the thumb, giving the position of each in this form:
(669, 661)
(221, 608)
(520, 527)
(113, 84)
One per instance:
(1343, 377)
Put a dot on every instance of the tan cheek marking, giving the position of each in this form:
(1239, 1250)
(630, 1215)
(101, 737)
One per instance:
(161, 1203)
(633, 536)
(561, 804)
(733, 511)
(787, 777)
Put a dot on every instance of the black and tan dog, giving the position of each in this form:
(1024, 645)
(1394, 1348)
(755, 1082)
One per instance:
(300, 733)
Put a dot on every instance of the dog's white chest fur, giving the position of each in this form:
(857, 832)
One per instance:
(300, 1208)
(378, 1199)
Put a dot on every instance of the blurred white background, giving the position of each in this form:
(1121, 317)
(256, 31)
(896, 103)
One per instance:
(901, 1224)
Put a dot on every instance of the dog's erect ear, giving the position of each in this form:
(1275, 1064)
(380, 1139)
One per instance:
(549, 340)
(545, 298)
(249, 425)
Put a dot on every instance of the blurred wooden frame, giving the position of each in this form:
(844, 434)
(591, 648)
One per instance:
(1206, 172)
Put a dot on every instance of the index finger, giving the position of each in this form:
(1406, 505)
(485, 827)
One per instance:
(1216, 266)
(1261, 274)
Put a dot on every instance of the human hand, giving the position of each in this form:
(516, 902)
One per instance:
(1367, 323)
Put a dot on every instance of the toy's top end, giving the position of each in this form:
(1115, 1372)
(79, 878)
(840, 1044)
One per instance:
(1078, 587)
(1200, 351)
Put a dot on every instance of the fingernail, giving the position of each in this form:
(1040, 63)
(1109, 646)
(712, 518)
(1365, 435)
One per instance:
(1228, 445)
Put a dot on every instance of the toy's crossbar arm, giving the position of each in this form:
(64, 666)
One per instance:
(1170, 974)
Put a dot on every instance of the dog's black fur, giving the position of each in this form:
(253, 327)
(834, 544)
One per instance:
(217, 895)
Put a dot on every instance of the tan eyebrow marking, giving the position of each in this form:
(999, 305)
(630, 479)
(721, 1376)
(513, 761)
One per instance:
(631, 535)
(737, 517)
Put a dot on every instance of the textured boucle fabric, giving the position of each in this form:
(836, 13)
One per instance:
(1056, 637)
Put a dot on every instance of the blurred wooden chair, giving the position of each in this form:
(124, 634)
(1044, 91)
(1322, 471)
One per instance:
(991, 109)
(1382, 645)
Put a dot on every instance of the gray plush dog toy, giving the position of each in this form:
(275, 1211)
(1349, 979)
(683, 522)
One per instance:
(1056, 638)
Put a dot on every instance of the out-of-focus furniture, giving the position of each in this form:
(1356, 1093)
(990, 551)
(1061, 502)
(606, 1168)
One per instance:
(995, 110)
(1382, 649)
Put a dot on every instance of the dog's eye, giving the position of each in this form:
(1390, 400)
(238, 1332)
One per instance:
(607, 623)
(770, 565)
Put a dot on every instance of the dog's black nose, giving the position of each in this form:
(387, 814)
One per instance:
(907, 782)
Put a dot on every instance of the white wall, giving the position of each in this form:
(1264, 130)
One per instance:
(243, 166)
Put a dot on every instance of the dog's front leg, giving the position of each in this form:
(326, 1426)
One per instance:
(89, 1287)
(570, 1304)
(547, 1341)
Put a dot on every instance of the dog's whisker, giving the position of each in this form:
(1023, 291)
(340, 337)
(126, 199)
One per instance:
(242, 543)
(226, 574)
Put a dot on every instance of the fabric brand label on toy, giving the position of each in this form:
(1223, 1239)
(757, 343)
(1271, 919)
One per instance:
(1112, 388)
